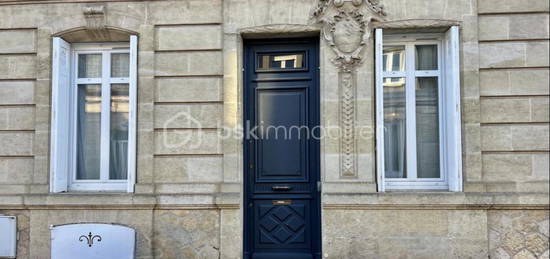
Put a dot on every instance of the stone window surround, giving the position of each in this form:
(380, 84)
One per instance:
(450, 138)
(86, 36)
(409, 74)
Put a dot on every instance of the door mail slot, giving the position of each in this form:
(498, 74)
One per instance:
(281, 188)
(282, 202)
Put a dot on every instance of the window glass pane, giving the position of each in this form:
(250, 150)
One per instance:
(88, 132)
(394, 128)
(427, 127)
(394, 58)
(426, 57)
(120, 65)
(281, 61)
(118, 165)
(89, 65)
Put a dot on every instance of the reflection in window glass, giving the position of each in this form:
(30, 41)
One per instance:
(394, 128)
(88, 132)
(426, 57)
(119, 132)
(120, 65)
(89, 65)
(394, 58)
(427, 127)
(283, 61)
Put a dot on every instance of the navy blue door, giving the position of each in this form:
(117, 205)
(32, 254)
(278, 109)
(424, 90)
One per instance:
(281, 148)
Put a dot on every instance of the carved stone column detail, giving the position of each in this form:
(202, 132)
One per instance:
(347, 124)
(346, 29)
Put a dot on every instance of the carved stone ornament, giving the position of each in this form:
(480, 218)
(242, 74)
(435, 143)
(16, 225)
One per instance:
(96, 21)
(346, 29)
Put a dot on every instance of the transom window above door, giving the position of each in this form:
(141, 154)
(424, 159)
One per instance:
(418, 115)
(295, 61)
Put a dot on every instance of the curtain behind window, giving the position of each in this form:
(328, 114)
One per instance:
(427, 114)
(118, 165)
(88, 132)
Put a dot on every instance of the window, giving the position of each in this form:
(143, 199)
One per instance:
(281, 61)
(418, 114)
(93, 111)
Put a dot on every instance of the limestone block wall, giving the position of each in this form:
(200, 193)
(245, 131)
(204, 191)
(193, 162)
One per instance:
(518, 234)
(514, 96)
(505, 93)
(17, 108)
(188, 97)
(180, 69)
(187, 202)
(437, 234)
(407, 234)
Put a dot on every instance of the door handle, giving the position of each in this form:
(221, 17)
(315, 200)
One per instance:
(281, 188)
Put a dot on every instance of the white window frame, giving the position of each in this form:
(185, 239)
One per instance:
(64, 97)
(449, 110)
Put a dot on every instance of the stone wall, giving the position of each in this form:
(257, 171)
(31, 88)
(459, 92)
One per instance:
(505, 93)
(406, 234)
(187, 200)
(180, 68)
(436, 233)
(514, 90)
(518, 234)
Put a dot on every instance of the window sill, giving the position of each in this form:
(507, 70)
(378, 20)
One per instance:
(99, 187)
(416, 187)
(91, 192)
(420, 190)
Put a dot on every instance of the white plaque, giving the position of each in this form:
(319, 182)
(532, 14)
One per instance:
(8, 236)
(93, 241)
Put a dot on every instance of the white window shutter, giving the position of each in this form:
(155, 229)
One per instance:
(132, 132)
(379, 45)
(452, 73)
(60, 130)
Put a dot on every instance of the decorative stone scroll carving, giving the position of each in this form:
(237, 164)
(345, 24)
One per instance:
(346, 29)
(96, 23)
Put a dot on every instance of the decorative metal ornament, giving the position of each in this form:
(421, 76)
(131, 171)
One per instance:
(89, 239)
(345, 28)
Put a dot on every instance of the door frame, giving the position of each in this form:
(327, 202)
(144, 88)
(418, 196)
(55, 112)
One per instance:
(316, 236)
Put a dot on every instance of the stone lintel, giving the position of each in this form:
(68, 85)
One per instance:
(279, 31)
(418, 25)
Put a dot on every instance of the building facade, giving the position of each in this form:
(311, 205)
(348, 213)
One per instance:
(427, 124)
